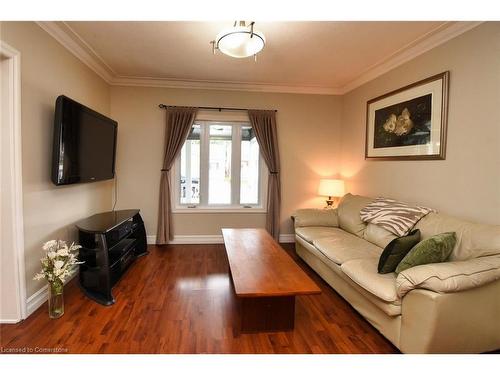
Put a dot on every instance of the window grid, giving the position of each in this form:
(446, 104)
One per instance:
(235, 171)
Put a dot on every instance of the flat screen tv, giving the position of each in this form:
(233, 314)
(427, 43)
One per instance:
(84, 144)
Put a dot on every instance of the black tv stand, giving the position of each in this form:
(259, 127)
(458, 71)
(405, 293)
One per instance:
(110, 241)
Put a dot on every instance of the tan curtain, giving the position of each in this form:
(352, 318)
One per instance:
(179, 123)
(264, 125)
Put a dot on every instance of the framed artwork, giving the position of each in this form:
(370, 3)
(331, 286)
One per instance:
(409, 123)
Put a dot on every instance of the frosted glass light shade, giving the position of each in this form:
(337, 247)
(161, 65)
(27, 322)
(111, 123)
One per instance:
(239, 42)
(331, 188)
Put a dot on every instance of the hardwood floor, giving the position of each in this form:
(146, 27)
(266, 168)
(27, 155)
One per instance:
(178, 299)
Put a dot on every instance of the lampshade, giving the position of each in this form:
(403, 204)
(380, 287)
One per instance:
(240, 41)
(331, 188)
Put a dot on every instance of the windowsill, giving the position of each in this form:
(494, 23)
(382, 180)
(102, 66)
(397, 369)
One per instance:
(219, 210)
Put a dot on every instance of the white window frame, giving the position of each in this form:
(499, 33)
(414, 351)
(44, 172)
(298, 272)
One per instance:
(237, 120)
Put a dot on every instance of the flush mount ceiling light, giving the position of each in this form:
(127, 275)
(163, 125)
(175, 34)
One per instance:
(240, 41)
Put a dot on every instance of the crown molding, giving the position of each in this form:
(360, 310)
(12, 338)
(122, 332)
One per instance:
(76, 45)
(214, 85)
(61, 32)
(418, 47)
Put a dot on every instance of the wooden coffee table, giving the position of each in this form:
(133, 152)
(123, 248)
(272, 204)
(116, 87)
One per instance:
(265, 279)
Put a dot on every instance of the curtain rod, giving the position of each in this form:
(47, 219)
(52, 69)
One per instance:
(165, 106)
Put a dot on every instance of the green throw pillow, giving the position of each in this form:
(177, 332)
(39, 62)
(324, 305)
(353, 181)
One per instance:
(396, 250)
(435, 249)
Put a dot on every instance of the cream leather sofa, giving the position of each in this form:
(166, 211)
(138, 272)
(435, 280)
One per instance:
(451, 307)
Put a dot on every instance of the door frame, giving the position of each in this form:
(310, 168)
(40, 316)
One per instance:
(14, 59)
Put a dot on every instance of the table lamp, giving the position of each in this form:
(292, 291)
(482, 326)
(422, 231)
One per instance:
(331, 188)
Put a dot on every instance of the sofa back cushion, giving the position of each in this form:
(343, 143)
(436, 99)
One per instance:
(348, 211)
(378, 235)
(473, 240)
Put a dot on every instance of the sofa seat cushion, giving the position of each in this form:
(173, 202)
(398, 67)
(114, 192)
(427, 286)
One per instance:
(314, 233)
(341, 247)
(364, 273)
(362, 300)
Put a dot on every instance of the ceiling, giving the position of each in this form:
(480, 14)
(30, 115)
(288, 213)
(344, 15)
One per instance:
(327, 57)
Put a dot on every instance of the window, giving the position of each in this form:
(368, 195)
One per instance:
(249, 175)
(190, 168)
(219, 164)
(220, 168)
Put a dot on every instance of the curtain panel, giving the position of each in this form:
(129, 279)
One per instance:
(178, 125)
(264, 125)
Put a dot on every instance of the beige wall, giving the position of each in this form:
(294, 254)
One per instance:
(308, 132)
(48, 70)
(467, 183)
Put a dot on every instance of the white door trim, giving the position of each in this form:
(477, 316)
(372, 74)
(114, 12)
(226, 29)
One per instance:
(16, 172)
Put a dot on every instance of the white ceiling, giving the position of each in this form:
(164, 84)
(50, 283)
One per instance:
(328, 56)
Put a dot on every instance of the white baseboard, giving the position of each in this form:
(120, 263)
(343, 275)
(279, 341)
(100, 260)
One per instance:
(9, 321)
(287, 238)
(209, 239)
(190, 239)
(38, 298)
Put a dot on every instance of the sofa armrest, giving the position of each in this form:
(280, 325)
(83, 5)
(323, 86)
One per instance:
(462, 322)
(449, 277)
(314, 217)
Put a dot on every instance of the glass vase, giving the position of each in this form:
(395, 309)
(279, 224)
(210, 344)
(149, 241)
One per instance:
(56, 300)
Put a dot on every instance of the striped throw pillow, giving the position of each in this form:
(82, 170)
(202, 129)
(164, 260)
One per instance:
(396, 217)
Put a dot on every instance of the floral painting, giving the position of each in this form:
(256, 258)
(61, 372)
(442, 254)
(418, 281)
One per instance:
(409, 123)
(404, 124)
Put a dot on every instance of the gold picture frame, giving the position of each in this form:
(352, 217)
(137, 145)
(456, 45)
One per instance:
(409, 123)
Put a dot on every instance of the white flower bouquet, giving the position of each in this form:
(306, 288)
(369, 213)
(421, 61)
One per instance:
(58, 262)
